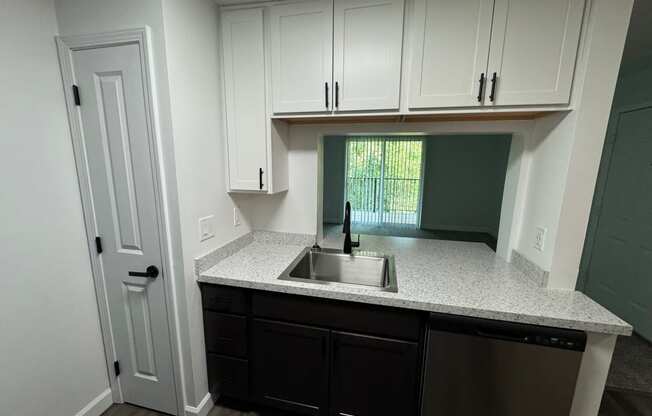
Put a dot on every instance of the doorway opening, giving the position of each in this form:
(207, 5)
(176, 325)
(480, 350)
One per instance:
(615, 266)
(108, 82)
(440, 187)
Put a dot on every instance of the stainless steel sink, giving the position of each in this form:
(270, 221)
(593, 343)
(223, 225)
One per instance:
(330, 266)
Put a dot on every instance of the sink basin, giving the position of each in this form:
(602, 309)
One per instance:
(330, 266)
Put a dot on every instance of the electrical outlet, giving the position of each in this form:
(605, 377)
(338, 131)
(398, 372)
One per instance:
(540, 238)
(236, 217)
(206, 228)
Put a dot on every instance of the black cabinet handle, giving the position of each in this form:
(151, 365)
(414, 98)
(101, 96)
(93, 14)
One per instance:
(492, 96)
(481, 87)
(150, 271)
(326, 93)
(337, 94)
(260, 178)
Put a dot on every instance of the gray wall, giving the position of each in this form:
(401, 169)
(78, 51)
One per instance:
(334, 172)
(51, 352)
(463, 182)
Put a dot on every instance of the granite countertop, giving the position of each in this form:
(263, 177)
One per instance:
(433, 275)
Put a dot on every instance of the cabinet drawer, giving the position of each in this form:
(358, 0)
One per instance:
(228, 376)
(225, 334)
(224, 299)
(370, 319)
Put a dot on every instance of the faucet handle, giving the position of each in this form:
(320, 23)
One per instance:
(356, 243)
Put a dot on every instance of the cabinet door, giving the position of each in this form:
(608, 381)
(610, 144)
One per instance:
(302, 56)
(450, 52)
(533, 50)
(368, 41)
(244, 93)
(373, 376)
(290, 366)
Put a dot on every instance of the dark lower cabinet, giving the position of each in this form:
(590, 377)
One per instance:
(372, 376)
(311, 356)
(290, 366)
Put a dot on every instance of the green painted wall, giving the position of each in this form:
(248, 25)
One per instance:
(463, 185)
(633, 89)
(334, 164)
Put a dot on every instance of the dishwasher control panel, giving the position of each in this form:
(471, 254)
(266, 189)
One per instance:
(566, 339)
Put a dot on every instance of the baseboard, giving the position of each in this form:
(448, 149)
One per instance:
(98, 405)
(202, 409)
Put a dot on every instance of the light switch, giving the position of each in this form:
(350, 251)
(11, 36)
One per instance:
(206, 228)
(540, 238)
(236, 217)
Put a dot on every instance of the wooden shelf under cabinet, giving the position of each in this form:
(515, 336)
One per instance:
(416, 118)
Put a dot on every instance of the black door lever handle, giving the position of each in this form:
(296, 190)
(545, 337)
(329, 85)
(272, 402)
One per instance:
(150, 271)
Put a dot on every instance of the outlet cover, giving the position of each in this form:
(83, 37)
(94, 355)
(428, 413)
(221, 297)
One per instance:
(540, 238)
(206, 228)
(236, 217)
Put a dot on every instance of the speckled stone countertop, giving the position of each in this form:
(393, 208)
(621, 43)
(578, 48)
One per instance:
(433, 275)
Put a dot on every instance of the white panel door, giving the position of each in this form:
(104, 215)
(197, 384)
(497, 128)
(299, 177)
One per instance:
(533, 49)
(368, 42)
(117, 137)
(301, 37)
(450, 53)
(243, 51)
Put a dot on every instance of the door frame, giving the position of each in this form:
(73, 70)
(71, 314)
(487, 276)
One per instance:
(600, 188)
(66, 45)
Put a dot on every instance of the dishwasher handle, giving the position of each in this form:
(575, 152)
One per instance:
(510, 338)
(509, 331)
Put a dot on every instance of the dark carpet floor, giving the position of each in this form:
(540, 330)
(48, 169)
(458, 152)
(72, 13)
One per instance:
(629, 384)
(631, 367)
(625, 403)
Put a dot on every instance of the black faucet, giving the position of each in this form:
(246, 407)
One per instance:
(348, 244)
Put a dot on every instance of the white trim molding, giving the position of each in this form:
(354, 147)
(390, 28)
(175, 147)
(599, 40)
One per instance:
(202, 409)
(98, 405)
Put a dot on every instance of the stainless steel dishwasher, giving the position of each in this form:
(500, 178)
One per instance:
(495, 368)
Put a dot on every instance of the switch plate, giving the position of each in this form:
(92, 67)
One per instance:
(540, 238)
(206, 228)
(236, 217)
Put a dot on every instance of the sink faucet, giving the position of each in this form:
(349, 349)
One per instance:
(348, 244)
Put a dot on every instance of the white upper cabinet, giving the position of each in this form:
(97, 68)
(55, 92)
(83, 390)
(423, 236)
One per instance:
(368, 42)
(533, 49)
(301, 37)
(450, 50)
(244, 91)
(313, 58)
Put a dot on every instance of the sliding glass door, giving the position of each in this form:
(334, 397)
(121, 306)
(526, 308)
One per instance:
(384, 180)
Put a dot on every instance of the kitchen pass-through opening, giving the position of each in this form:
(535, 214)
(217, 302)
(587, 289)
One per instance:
(445, 187)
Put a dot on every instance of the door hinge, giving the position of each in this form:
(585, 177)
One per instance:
(98, 245)
(116, 368)
(75, 93)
